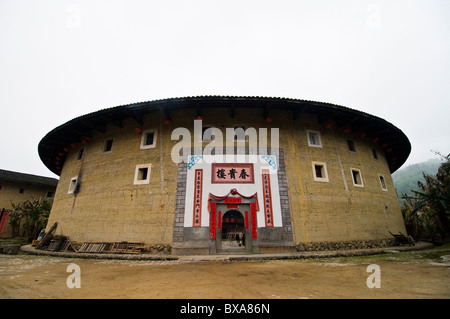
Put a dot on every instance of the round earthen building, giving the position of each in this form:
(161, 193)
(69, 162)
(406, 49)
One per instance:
(219, 174)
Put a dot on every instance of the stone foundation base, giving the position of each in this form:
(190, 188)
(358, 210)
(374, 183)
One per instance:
(357, 244)
(158, 249)
(186, 249)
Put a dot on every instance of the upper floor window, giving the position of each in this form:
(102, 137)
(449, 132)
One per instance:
(382, 182)
(320, 171)
(73, 185)
(314, 139)
(107, 145)
(142, 174)
(357, 177)
(351, 146)
(148, 139)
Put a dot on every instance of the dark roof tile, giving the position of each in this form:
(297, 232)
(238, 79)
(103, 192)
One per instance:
(27, 178)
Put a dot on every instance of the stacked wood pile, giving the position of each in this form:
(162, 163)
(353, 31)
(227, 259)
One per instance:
(52, 242)
(59, 244)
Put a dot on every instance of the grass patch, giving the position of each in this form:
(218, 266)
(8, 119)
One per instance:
(442, 247)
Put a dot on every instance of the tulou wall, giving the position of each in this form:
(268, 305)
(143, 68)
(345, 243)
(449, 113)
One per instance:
(101, 197)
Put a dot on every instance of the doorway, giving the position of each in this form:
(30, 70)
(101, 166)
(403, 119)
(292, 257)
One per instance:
(233, 231)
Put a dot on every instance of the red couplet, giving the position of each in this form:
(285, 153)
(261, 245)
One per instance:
(212, 228)
(253, 221)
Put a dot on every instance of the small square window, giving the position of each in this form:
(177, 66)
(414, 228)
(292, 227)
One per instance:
(148, 139)
(50, 194)
(320, 172)
(314, 139)
(107, 145)
(357, 177)
(73, 185)
(351, 146)
(21, 190)
(383, 183)
(142, 174)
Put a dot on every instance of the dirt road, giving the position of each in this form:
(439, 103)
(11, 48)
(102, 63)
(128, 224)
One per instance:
(417, 274)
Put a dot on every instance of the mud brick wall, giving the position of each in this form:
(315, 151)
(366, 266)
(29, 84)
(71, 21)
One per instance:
(109, 207)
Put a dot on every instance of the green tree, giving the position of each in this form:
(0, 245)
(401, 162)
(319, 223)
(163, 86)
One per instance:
(30, 217)
(15, 218)
(429, 209)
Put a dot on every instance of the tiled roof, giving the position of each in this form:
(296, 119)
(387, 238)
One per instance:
(392, 139)
(27, 178)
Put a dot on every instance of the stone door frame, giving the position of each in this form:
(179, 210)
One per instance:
(251, 245)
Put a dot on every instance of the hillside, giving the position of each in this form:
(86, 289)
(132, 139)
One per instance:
(405, 179)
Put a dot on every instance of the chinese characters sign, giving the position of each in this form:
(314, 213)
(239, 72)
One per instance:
(198, 197)
(253, 220)
(232, 173)
(267, 195)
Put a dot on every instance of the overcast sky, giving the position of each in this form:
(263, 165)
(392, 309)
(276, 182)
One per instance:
(62, 59)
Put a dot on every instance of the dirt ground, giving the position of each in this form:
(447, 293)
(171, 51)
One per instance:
(416, 274)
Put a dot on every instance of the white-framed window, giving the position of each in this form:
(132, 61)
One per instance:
(73, 185)
(351, 146)
(314, 139)
(357, 177)
(148, 139)
(382, 182)
(107, 145)
(142, 174)
(320, 171)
